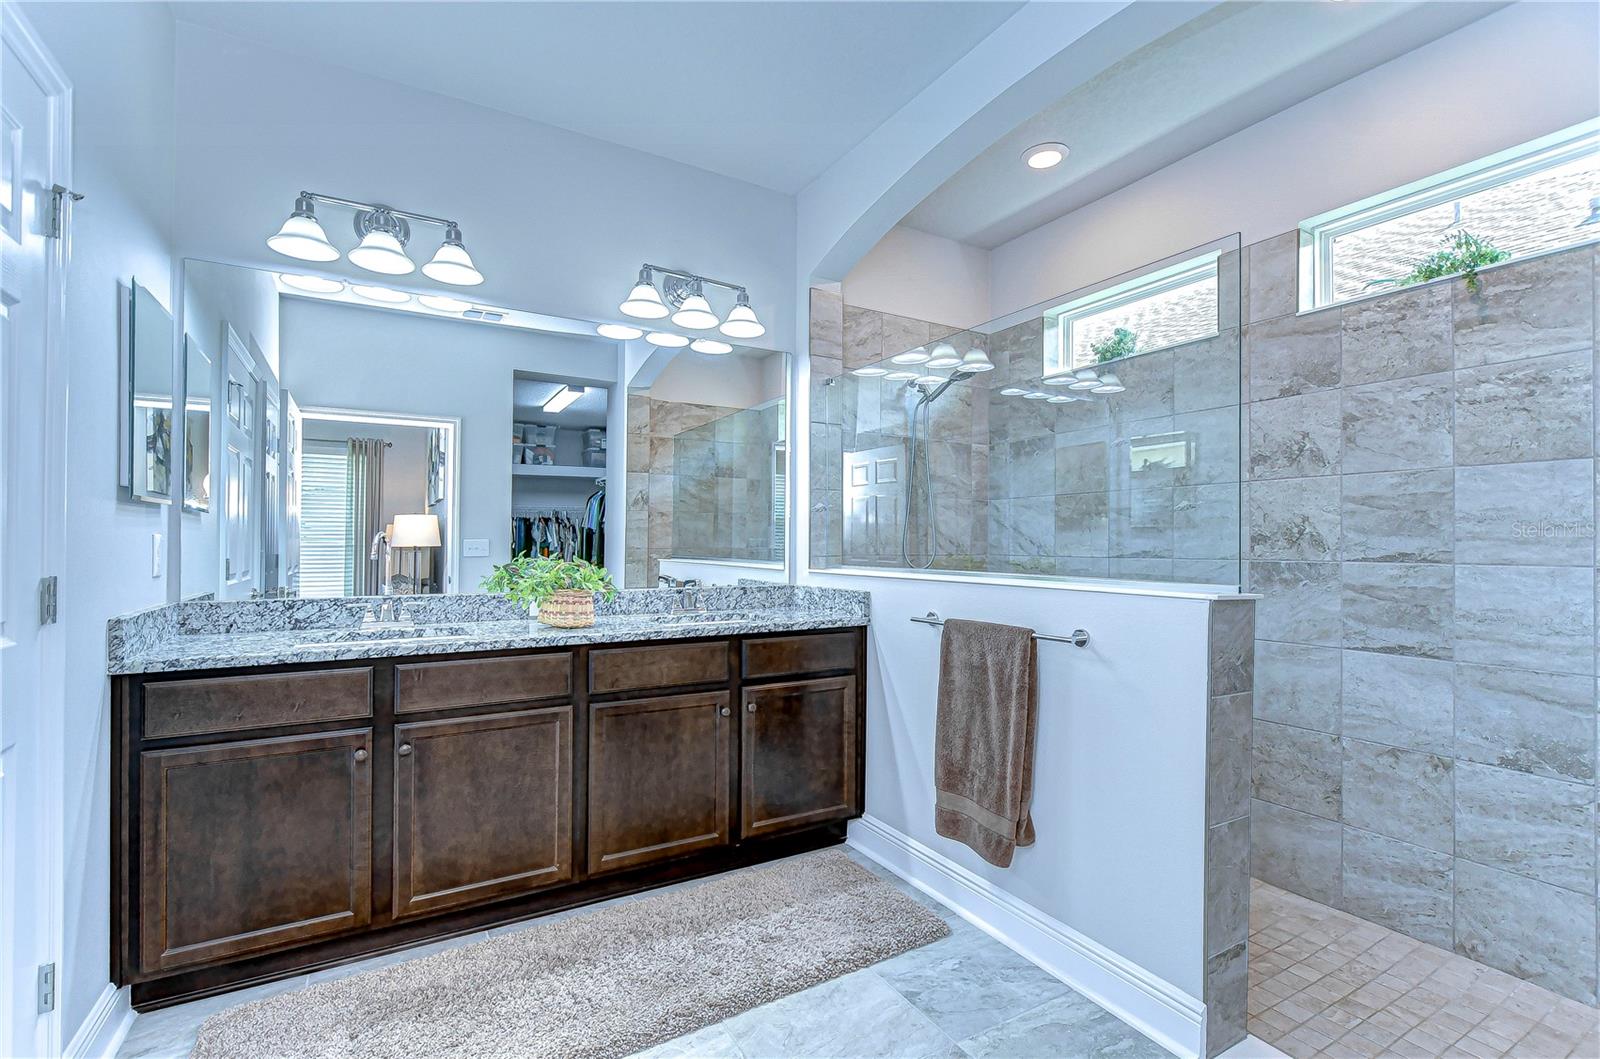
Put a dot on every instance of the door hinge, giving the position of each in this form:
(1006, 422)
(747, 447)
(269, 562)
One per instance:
(47, 987)
(55, 219)
(48, 606)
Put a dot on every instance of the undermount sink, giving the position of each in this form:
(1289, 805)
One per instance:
(397, 632)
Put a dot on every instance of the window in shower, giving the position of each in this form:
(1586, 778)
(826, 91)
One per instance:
(1156, 310)
(1540, 196)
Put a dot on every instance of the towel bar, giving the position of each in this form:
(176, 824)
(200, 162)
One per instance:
(1079, 637)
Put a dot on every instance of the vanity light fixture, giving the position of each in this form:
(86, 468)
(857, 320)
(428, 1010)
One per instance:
(383, 232)
(976, 360)
(666, 340)
(711, 346)
(561, 399)
(311, 284)
(1109, 384)
(944, 355)
(386, 295)
(444, 303)
(682, 295)
(913, 356)
(1046, 155)
(871, 371)
(620, 332)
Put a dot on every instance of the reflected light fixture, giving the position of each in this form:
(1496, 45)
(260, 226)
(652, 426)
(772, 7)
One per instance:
(1046, 155)
(912, 356)
(1036, 396)
(1013, 391)
(621, 332)
(311, 284)
(386, 295)
(976, 360)
(302, 236)
(930, 380)
(1109, 384)
(666, 340)
(1084, 379)
(903, 376)
(1057, 380)
(711, 346)
(944, 355)
(444, 303)
(643, 302)
(870, 371)
(561, 399)
(1060, 398)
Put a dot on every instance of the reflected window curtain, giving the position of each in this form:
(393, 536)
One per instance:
(365, 492)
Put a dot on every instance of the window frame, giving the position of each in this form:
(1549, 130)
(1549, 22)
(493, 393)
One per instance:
(1058, 320)
(1318, 234)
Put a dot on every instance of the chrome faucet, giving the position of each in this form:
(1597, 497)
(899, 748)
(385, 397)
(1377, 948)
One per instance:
(689, 598)
(385, 611)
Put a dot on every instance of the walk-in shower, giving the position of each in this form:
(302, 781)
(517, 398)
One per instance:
(917, 458)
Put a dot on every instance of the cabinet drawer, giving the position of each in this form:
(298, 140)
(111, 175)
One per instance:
(663, 666)
(771, 657)
(481, 681)
(175, 708)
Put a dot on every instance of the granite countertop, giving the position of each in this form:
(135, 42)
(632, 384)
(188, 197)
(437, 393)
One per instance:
(216, 635)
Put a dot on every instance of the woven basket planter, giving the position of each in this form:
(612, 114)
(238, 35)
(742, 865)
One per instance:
(569, 608)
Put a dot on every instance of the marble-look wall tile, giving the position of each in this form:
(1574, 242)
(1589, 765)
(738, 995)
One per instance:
(1271, 273)
(826, 324)
(1301, 601)
(1227, 999)
(1082, 527)
(863, 337)
(1141, 522)
(1399, 608)
(1528, 825)
(1214, 437)
(1206, 372)
(1543, 723)
(1295, 518)
(1296, 437)
(1080, 464)
(1399, 516)
(1530, 617)
(1227, 915)
(902, 334)
(1149, 380)
(1399, 886)
(1298, 685)
(1399, 701)
(1538, 514)
(1232, 645)
(1029, 525)
(1296, 851)
(1540, 409)
(1205, 523)
(1536, 931)
(1228, 768)
(1393, 337)
(1291, 355)
(1031, 469)
(1399, 425)
(1296, 768)
(1401, 794)
(1526, 309)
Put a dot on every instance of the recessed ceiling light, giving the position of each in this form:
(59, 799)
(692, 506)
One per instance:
(562, 399)
(444, 303)
(386, 295)
(1046, 155)
(666, 340)
(711, 346)
(312, 284)
(621, 332)
(870, 372)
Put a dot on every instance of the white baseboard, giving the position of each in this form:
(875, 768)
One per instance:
(1161, 1011)
(103, 1031)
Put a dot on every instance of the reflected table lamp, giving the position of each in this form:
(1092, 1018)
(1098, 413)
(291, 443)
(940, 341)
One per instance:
(413, 533)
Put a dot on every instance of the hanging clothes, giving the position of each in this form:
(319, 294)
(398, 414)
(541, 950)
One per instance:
(594, 527)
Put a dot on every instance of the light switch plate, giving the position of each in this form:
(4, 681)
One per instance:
(475, 548)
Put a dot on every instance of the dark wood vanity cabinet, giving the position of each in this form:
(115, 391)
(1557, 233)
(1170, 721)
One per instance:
(276, 820)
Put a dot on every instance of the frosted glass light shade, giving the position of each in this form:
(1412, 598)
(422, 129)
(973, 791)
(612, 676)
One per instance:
(312, 284)
(644, 303)
(944, 356)
(621, 332)
(1084, 379)
(870, 371)
(711, 346)
(302, 237)
(742, 323)
(1109, 384)
(903, 376)
(444, 303)
(1012, 391)
(381, 252)
(976, 360)
(911, 356)
(695, 314)
(452, 264)
(386, 295)
(415, 531)
(666, 340)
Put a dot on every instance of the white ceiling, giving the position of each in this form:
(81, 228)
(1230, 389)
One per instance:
(1225, 70)
(769, 93)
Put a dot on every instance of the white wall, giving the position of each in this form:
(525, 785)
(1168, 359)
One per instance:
(119, 58)
(742, 381)
(558, 223)
(926, 277)
(377, 360)
(1533, 68)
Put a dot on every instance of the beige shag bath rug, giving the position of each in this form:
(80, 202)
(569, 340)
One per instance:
(605, 983)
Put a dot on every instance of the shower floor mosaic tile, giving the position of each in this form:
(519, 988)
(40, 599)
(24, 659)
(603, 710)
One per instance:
(1324, 983)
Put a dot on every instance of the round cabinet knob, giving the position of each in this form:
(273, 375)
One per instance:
(726, 711)
(750, 707)
(405, 750)
(361, 755)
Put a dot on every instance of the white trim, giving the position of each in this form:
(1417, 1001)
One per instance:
(1148, 284)
(1150, 1004)
(106, 1027)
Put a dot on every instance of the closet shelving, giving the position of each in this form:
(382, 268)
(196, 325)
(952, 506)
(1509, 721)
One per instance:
(557, 471)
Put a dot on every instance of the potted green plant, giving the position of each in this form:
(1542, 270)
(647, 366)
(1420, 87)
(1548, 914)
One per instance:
(1118, 344)
(1463, 254)
(559, 592)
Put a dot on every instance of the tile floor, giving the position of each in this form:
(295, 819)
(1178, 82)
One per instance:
(964, 997)
(1326, 984)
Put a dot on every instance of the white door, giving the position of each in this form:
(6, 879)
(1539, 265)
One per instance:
(34, 150)
(241, 549)
(271, 506)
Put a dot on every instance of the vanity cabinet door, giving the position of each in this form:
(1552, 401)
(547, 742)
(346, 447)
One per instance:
(658, 778)
(252, 846)
(482, 808)
(798, 755)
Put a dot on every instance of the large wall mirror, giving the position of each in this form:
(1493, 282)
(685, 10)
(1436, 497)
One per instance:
(350, 440)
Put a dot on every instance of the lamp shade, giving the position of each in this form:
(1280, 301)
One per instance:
(976, 360)
(451, 263)
(695, 313)
(644, 302)
(711, 346)
(415, 531)
(742, 321)
(944, 356)
(380, 251)
(302, 237)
